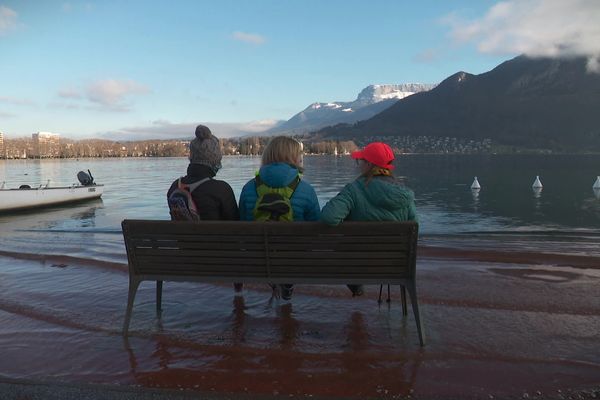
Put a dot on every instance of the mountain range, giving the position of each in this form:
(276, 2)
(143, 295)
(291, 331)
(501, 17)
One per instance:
(538, 103)
(370, 101)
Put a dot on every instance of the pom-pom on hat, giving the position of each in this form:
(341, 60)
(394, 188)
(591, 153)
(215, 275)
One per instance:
(205, 149)
(376, 153)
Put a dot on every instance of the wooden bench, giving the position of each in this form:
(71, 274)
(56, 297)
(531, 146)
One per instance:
(273, 252)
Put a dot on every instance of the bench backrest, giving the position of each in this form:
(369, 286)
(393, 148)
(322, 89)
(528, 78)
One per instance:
(277, 252)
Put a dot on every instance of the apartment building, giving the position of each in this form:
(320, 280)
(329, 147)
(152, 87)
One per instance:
(46, 144)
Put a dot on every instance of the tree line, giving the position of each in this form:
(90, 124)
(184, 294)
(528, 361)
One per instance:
(69, 148)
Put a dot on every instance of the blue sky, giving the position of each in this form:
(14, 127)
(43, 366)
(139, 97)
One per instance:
(139, 69)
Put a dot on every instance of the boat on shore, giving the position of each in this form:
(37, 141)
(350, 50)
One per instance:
(26, 197)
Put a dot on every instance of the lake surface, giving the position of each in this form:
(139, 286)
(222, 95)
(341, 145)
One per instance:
(506, 212)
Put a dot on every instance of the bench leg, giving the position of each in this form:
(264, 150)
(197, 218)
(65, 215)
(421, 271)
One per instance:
(412, 291)
(133, 287)
(389, 299)
(159, 285)
(403, 298)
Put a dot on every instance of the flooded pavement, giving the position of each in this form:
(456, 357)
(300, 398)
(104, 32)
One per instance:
(502, 329)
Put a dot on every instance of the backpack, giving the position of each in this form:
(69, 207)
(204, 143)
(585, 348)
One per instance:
(181, 204)
(274, 204)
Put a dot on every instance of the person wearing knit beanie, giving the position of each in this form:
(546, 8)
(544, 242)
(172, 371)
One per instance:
(205, 149)
(214, 199)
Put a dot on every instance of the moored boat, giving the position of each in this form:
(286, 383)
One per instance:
(26, 197)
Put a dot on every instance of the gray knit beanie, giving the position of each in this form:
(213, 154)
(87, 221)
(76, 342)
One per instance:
(205, 149)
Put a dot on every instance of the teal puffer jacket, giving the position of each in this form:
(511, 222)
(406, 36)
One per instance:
(383, 199)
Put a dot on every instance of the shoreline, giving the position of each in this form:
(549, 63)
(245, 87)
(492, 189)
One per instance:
(509, 257)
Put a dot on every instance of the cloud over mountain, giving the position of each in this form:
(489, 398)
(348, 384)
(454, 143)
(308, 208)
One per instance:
(538, 28)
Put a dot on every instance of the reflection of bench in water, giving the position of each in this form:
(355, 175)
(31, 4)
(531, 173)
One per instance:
(299, 252)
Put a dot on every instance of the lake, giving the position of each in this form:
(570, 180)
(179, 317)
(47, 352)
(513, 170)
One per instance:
(506, 212)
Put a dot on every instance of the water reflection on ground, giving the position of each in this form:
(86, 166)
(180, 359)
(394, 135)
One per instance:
(486, 323)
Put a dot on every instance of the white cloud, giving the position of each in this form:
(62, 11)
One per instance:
(4, 114)
(16, 101)
(427, 56)
(69, 93)
(112, 94)
(261, 125)
(70, 7)
(163, 129)
(252, 38)
(538, 28)
(8, 19)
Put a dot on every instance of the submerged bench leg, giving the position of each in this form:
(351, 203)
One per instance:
(412, 291)
(133, 287)
(403, 298)
(159, 285)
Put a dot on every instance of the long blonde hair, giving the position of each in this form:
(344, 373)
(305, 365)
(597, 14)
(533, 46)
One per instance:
(283, 149)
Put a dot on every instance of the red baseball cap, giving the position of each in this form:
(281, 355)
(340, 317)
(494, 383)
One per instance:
(377, 153)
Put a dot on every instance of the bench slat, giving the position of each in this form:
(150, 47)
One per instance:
(201, 255)
(198, 254)
(197, 238)
(291, 239)
(337, 255)
(169, 262)
(203, 245)
(307, 269)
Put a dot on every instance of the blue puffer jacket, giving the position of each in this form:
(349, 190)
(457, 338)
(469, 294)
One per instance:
(304, 200)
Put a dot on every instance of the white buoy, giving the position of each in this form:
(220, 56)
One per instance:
(476, 186)
(537, 184)
(597, 184)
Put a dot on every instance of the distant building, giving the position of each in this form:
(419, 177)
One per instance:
(46, 145)
(2, 147)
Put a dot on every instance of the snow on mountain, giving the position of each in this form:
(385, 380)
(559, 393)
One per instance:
(370, 101)
(376, 93)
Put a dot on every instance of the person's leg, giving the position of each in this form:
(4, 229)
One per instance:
(357, 290)
(238, 287)
(286, 291)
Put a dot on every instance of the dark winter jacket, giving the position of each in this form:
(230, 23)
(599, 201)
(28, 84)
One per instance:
(383, 199)
(214, 199)
(304, 200)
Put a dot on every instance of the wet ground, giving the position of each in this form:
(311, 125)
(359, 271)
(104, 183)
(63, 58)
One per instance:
(498, 324)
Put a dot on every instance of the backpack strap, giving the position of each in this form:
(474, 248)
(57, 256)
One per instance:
(292, 185)
(193, 186)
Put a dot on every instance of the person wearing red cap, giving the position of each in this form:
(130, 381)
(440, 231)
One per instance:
(376, 195)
